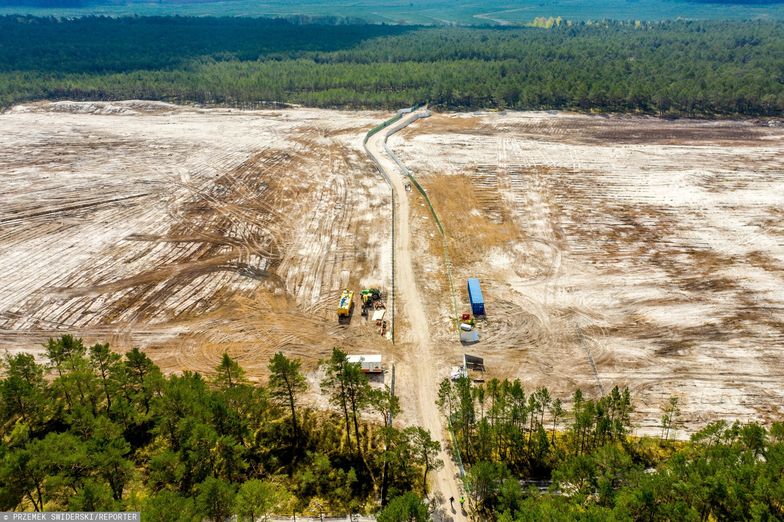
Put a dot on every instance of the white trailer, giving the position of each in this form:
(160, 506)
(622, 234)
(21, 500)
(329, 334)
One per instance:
(367, 363)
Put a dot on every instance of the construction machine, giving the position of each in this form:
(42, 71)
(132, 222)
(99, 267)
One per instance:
(346, 304)
(369, 297)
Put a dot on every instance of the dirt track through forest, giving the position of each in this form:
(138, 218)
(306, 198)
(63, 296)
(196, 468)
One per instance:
(417, 335)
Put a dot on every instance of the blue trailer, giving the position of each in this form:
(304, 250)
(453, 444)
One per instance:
(475, 297)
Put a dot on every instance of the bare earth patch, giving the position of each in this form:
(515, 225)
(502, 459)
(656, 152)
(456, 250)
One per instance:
(189, 232)
(613, 251)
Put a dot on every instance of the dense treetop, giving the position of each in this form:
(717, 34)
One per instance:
(592, 469)
(104, 44)
(678, 68)
(95, 430)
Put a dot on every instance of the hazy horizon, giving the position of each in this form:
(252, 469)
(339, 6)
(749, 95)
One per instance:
(429, 12)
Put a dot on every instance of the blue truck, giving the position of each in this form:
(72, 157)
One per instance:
(475, 297)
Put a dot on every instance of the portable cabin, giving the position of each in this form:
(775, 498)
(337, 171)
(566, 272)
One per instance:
(367, 363)
(475, 297)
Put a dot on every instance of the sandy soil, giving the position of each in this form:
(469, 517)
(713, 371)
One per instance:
(189, 232)
(612, 251)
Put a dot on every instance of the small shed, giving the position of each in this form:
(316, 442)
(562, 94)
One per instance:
(475, 297)
(367, 363)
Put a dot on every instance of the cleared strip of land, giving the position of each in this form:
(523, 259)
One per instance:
(420, 367)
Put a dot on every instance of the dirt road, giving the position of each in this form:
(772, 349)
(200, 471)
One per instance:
(446, 480)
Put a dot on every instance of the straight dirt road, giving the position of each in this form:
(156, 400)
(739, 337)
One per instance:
(445, 482)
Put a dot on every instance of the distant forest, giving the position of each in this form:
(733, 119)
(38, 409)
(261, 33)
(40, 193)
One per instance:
(663, 68)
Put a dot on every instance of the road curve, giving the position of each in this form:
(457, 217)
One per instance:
(445, 482)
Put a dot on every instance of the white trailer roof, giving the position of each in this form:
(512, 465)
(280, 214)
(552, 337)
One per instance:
(365, 358)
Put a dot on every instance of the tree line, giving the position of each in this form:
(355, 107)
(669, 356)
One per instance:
(104, 44)
(513, 443)
(93, 430)
(663, 68)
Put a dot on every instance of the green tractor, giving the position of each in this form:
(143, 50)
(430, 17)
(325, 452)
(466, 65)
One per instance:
(369, 296)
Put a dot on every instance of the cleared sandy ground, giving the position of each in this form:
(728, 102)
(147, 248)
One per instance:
(189, 232)
(612, 251)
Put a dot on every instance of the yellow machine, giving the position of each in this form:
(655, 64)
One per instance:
(346, 303)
